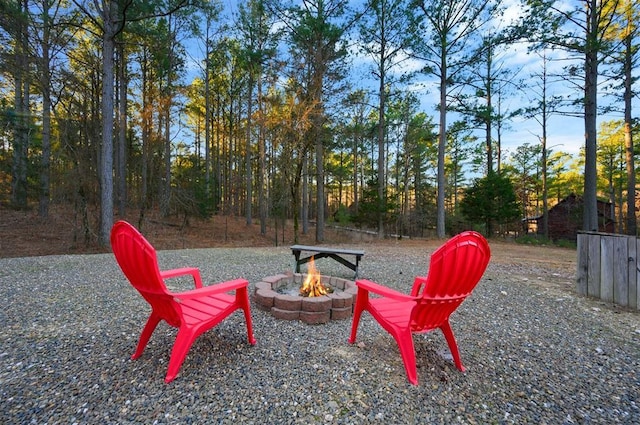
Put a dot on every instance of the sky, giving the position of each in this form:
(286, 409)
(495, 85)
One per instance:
(564, 133)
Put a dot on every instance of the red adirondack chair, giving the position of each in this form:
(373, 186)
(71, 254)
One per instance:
(192, 312)
(455, 269)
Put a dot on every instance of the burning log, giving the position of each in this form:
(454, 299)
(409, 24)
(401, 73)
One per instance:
(312, 286)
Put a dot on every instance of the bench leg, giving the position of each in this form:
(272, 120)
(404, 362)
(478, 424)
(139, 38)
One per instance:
(296, 255)
(299, 261)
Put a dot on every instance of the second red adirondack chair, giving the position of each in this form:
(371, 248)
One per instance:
(455, 269)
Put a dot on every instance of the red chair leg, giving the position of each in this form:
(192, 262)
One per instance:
(148, 329)
(408, 353)
(243, 295)
(453, 345)
(181, 347)
(361, 301)
(354, 325)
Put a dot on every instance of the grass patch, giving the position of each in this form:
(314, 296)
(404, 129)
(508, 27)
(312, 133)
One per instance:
(542, 241)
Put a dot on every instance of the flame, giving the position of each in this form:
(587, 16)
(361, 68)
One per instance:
(312, 286)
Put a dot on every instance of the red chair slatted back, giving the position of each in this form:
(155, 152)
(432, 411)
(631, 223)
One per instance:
(138, 260)
(454, 271)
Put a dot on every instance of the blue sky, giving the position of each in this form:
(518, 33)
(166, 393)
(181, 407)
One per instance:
(564, 133)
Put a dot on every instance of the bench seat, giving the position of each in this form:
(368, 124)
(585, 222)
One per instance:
(337, 254)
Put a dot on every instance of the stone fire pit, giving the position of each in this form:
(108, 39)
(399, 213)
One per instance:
(278, 294)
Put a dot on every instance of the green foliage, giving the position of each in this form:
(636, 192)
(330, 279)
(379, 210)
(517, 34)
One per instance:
(490, 201)
(532, 239)
(189, 195)
(564, 243)
(539, 240)
(342, 215)
(370, 206)
(457, 223)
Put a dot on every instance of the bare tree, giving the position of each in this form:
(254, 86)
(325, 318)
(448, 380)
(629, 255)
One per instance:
(543, 106)
(110, 17)
(579, 30)
(259, 40)
(449, 45)
(385, 35)
(18, 63)
(624, 35)
(316, 31)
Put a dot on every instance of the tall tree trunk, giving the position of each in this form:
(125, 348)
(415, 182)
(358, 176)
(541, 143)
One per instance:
(442, 146)
(45, 160)
(499, 125)
(356, 165)
(146, 136)
(320, 185)
(628, 138)
(21, 129)
(381, 157)
(489, 118)
(262, 178)
(121, 163)
(218, 200)
(294, 187)
(304, 208)
(590, 219)
(106, 153)
(545, 188)
(612, 193)
(248, 165)
(208, 118)
(165, 205)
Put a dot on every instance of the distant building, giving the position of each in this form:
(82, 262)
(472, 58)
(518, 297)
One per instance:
(565, 218)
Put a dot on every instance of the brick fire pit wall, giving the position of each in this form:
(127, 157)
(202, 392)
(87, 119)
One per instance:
(312, 310)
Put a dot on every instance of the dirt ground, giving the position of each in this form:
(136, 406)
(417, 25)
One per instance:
(23, 233)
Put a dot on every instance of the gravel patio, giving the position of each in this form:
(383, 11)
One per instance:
(535, 352)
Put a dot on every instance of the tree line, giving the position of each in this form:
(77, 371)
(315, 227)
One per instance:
(310, 110)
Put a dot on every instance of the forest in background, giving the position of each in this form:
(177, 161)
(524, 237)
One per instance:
(179, 107)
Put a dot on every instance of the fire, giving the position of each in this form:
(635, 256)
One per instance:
(312, 286)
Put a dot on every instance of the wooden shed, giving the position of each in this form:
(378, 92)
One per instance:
(565, 218)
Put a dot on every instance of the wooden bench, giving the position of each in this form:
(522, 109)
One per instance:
(324, 252)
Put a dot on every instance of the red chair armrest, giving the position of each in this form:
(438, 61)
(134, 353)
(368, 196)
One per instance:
(217, 288)
(419, 284)
(193, 271)
(382, 290)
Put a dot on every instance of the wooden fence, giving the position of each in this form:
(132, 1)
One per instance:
(608, 268)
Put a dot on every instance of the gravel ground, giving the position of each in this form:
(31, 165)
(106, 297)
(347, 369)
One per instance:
(535, 352)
